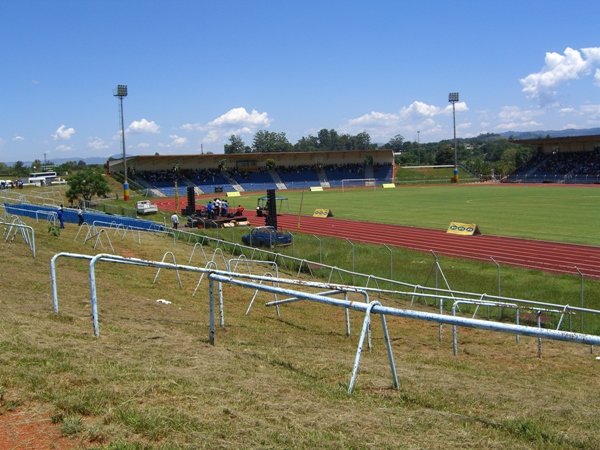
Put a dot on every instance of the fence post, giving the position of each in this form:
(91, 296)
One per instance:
(499, 309)
(320, 249)
(391, 262)
(582, 298)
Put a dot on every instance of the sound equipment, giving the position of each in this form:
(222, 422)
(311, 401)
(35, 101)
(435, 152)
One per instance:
(191, 207)
(271, 219)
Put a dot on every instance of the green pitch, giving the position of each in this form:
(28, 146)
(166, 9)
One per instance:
(545, 212)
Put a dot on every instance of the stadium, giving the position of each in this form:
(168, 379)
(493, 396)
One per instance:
(376, 325)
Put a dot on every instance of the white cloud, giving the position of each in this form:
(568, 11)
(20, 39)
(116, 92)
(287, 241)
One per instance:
(236, 121)
(64, 148)
(374, 119)
(143, 126)
(18, 139)
(593, 111)
(177, 140)
(97, 144)
(597, 77)
(417, 116)
(514, 113)
(532, 125)
(559, 69)
(213, 136)
(63, 133)
(566, 110)
(240, 117)
(419, 109)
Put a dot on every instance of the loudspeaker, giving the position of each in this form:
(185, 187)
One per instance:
(271, 209)
(191, 207)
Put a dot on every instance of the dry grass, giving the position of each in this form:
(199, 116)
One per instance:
(152, 380)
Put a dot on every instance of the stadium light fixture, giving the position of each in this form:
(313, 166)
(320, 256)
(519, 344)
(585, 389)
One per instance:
(453, 98)
(120, 92)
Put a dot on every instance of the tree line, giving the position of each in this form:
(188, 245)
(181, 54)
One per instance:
(484, 155)
(20, 169)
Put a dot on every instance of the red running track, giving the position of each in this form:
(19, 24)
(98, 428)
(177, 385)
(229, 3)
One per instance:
(539, 255)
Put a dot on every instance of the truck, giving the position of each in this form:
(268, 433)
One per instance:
(266, 237)
(144, 207)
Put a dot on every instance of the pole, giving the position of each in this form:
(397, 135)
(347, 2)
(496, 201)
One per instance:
(455, 152)
(125, 182)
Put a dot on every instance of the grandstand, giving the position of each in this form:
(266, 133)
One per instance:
(251, 172)
(570, 160)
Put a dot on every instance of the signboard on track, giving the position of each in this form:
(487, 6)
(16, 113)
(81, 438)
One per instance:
(322, 213)
(463, 229)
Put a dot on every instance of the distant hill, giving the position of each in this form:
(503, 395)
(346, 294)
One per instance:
(569, 132)
(59, 161)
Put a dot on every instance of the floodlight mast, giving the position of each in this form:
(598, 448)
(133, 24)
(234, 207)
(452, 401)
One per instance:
(120, 92)
(453, 98)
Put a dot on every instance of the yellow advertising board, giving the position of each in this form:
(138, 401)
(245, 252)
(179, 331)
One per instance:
(322, 213)
(463, 229)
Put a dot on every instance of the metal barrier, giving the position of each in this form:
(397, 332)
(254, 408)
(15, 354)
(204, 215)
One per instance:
(27, 233)
(367, 307)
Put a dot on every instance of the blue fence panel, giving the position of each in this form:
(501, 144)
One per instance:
(70, 216)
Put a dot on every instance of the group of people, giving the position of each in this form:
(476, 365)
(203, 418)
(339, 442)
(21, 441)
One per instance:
(217, 208)
(8, 184)
(220, 208)
(61, 216)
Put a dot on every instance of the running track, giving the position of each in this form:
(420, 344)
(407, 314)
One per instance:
(539, 255)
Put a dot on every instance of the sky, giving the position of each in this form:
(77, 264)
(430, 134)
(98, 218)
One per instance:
(198, 72)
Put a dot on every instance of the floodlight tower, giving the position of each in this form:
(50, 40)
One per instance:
(120, 92)
(453, 98)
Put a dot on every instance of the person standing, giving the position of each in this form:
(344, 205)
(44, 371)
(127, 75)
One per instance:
(80, 216)
(224, 207)
(61, 219)
(175, 220)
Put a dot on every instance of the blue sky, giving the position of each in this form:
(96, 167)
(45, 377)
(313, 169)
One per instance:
(200, 71)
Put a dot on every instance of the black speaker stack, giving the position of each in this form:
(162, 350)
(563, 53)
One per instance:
(191, 207)
(271, 219)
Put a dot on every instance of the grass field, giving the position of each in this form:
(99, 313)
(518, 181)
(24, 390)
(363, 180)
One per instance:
(152, 381)
(546, 212)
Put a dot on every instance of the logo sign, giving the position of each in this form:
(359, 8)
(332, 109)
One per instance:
(324, 213)
(464, 229)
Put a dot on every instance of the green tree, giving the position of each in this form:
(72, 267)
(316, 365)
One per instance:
(269, 142)
(270, 163)
(86, 184)
(395, 143)
(307, 144)
(444, 155)
(236, 145)
(19, 169)
(36, 166)
(329, 140)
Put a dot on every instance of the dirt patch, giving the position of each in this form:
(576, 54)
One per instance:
(26, 429)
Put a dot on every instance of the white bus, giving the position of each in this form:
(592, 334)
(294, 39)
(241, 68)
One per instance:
(38, 177)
